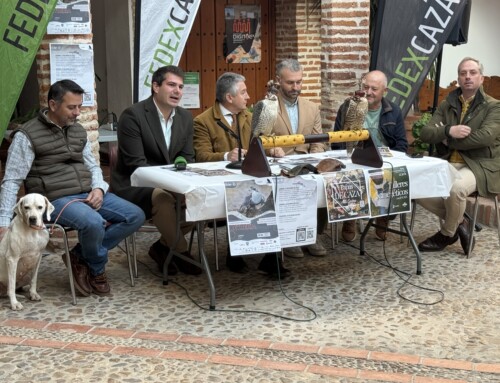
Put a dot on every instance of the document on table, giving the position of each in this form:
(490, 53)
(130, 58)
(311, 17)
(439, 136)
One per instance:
(296, 205)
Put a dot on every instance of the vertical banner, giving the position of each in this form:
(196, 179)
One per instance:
(406, 54)
(242, 40)
(162, 28)
(22, 26)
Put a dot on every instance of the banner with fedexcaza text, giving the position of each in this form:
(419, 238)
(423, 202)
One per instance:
(22, 26)
(409, 36)
(164, 27)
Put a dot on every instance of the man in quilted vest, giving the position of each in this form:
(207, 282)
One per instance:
(52, 156)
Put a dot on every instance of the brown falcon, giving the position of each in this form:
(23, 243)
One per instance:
(265, 112)
(355, 116)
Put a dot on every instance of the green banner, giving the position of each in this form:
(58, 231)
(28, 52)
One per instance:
(22, 25)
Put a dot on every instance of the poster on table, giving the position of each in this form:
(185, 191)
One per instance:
(70, 17)
(251, 217)
(346, 195)
(243, 35)
(296, 205)
(74, 62)
(389, 191)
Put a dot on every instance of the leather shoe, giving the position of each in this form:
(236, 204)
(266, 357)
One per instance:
(236, 264)
(185, 266)
(159, 254)
(349, 230)
(381, 232)
(463, 231)
(268, 266)
(80, 273)
(437, 242)
(99, 284)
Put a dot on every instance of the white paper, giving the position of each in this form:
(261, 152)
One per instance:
(74, 62)
(70, 17)
(296, 204)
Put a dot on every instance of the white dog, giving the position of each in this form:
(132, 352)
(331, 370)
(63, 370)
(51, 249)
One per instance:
(21, 247)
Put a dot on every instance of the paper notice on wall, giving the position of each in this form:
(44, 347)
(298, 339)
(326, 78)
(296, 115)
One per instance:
(74, 62)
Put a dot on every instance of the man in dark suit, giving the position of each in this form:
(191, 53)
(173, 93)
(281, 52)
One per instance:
(155, 132)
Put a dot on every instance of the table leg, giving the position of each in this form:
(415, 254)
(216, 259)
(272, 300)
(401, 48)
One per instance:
(200, 229)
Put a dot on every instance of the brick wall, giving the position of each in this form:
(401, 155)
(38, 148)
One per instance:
(332, 43)
(88, 117)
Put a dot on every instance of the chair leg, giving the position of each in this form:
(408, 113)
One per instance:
(68, 263)
(472, 226)
(130, 255)
(134, 252)
(498, 218)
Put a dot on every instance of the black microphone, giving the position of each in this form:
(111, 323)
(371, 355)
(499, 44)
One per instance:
(234, 164)
(180, 163)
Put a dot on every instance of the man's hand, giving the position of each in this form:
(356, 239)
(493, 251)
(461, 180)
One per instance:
(94, 199)
(459, 131)
(3, 230)
(277, 152)
(233, 154)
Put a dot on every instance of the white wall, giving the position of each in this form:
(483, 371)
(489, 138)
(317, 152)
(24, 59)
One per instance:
(483, 42)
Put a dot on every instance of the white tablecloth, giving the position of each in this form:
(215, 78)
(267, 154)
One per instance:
(429, 177)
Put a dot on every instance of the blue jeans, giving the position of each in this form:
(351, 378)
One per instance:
(101, 230)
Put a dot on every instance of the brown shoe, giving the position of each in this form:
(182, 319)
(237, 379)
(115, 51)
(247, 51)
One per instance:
(185, 266)
(159, 254)
(381, 232)
(99, 284)
(349, 230)
(80, 273)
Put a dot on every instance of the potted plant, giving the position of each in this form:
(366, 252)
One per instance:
(417, 145)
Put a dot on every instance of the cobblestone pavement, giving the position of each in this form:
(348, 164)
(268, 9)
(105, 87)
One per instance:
(341, 318)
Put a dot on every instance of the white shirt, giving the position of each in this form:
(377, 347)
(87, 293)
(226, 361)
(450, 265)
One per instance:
(166, 125)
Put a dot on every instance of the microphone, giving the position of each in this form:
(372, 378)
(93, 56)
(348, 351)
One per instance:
(180, 163)
(234, 164)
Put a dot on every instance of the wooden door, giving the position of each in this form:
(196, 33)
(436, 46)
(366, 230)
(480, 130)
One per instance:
(204, 51)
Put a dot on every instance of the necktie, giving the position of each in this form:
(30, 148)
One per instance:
(233, 123)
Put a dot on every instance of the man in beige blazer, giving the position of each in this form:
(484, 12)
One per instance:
(297, 115)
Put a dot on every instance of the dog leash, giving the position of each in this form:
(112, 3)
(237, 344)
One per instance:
(51, 231)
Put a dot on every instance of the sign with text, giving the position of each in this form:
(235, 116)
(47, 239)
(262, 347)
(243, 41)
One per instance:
(22, 26)
(164, 27)
(389, 191)
(406, 54)
(242, 40)
(346, 195)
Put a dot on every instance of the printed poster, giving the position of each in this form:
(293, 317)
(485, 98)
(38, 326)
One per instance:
(389, 191)
(346, 195)
(251, 217)
(74, 62)
(243, 41)
(296, 203)
(70, 17)
(191, 93)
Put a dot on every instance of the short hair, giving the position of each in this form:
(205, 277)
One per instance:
(291, 64)
(60, 88)
(160, 74)
(378, 73)
(226, 83)
(481, 68)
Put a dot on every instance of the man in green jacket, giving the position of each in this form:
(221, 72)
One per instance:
(466, 131)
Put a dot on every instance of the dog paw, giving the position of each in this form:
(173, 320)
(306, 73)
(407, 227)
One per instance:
(34, 296)
(16, 306)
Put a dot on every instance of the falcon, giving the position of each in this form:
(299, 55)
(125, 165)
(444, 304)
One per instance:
(355, 116)
(265, 112)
